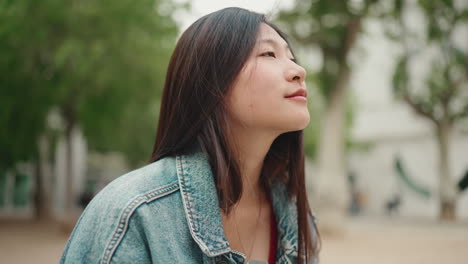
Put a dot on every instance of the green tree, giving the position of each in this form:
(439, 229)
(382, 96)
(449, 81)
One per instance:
(101, 63)
(27, 89)
(440, 97)
(332, 28)
(20, 83)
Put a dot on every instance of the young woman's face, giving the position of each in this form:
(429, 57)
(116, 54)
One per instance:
(270, 92)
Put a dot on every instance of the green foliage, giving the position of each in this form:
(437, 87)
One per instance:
(22, 190)
(101, 62)
(25, 97)
(442, 16)
(442, 95)
(331, 27)
(400, 77)
(328, 26)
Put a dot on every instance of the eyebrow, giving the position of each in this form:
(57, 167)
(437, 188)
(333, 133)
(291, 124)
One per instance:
(274, 42)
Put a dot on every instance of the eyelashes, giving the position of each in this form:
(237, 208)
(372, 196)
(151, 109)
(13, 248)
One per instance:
(268, 54)
(272, 54)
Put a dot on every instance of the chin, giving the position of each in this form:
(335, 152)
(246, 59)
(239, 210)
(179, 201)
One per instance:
(304, 120)
(301, 126)
(297, 123)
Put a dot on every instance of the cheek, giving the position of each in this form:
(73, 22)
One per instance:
(266, 80)
(266, 88)
(239, 103)
(245, 94)
(257, 100)
(264, 91)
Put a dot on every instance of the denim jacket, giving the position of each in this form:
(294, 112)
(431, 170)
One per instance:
(167, 212)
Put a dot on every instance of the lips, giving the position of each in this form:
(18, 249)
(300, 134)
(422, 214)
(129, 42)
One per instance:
(299, 92)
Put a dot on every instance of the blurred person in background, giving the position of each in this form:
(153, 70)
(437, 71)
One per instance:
(226, 180)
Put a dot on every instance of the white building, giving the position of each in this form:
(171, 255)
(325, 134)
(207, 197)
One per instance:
(392, 128)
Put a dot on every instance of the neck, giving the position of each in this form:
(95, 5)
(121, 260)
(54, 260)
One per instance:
(250, 150)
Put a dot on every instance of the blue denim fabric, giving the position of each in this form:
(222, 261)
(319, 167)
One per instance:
(167, 212)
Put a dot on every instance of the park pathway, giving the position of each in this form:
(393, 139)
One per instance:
(368, 241)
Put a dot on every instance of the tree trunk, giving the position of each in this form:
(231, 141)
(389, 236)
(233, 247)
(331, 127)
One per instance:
(70, 194)
(69, 113)
(447, 191)
(42, 196)
(68, 221)
(332, 193)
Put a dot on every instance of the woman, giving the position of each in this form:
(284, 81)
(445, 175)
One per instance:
(226, 181)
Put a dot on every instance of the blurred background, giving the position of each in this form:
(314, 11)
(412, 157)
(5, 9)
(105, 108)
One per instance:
(387, 146)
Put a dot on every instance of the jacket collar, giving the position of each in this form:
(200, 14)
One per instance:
(203, 214)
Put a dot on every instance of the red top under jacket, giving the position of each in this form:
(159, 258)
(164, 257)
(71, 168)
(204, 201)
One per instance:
(273, 239)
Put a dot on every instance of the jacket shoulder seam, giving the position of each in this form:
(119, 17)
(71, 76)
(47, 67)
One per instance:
(126, 214)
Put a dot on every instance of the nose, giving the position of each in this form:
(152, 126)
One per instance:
(295, 73)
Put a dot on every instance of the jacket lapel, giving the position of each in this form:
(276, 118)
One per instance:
(201, 202)
(203, 214)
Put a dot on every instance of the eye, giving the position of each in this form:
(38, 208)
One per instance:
(268, 54)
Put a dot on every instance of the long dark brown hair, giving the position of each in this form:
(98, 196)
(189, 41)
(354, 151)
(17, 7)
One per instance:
(206, 61)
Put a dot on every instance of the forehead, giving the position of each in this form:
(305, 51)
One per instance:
(267, 35)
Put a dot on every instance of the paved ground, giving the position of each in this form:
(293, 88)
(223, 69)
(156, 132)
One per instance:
(385, 241)
(26, 242)
(368, 241)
